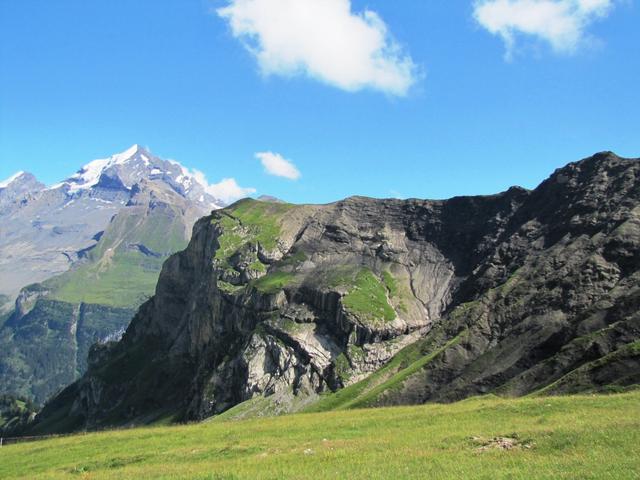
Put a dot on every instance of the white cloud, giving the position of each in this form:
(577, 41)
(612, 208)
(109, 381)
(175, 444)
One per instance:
(323, 39)
(229, 191)
(226, 189)
(561, 23)
(276, 164)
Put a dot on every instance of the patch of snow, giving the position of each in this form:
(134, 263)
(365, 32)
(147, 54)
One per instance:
(185, 178)
(156, 171)
(10, 180)
(67, 204)
(89, 175)
(120, 158)
(57, 185)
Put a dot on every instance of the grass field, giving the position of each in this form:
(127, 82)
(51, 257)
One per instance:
(580, 437)
(128, 281)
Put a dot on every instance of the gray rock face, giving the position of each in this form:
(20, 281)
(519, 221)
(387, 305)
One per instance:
(512, 293)
(16, 188)
(554, 307)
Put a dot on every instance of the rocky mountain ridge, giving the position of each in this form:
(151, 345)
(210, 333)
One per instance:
(278, 307)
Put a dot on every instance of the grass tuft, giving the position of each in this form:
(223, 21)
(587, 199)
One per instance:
(273, 282)
(368, 299)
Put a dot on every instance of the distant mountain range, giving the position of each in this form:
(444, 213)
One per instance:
(77, 259)
(45, 230)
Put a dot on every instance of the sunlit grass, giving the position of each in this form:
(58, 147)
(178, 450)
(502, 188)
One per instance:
(569, 437)
(273, 282)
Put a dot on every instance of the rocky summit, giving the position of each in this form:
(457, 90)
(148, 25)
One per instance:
(275, 307)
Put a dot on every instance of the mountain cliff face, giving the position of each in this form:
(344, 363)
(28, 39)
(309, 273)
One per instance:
(276, 307)
(110, 226)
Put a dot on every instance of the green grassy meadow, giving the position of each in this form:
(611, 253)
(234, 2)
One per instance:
(577, 437)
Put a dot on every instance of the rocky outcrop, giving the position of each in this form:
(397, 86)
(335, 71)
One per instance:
(510, 293)
(552, 308)
(16, 189)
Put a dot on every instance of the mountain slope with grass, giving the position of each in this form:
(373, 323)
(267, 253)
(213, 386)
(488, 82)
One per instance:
(44, 341)
(276, 307)
(47, 339)
(586, 437)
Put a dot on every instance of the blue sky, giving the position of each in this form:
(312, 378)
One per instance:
(466, 101)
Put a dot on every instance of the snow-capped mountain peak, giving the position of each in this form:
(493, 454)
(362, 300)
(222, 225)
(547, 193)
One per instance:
(127, 154)
(89, 175)
(135, 164)
(11, 179)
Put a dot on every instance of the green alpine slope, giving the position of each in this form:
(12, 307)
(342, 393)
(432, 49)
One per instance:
(573, 437)
(45, 342)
